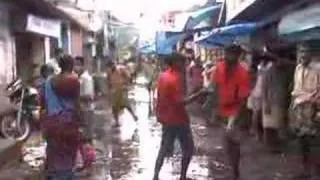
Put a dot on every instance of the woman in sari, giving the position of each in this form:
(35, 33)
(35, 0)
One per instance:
(60, 109)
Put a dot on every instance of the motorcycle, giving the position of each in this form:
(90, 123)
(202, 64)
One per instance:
(18, 124)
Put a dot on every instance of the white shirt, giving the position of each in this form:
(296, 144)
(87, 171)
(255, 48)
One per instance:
(86, 84)
(53, 62)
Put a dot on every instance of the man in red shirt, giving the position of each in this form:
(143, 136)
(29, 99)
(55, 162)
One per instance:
(171, 113)
(232, 84)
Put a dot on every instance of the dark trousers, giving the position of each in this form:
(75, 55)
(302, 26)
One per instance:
(180, 132)
(169, 134)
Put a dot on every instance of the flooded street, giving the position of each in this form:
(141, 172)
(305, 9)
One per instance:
(129, 152)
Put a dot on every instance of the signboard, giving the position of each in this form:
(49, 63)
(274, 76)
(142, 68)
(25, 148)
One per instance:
(42, 26)
(173, 21)
(234, 7)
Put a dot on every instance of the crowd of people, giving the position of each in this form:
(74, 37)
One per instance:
(274, 104)
(226, 88)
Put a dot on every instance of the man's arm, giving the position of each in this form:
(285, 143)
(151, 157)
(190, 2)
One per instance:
(191, 98)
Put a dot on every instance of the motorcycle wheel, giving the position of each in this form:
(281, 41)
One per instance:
(10, 128)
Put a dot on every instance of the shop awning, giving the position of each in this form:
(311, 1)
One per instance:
(226, 35)
(149, 48)
(203, 17)
(166, 41)
(259, 10)
(199, 19)
(310, 34)
(302, 20)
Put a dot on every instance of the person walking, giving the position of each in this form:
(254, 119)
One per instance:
(151, 72)
(118, 82)
(60, 110)
(172, 115)
(306, 107)
(232, 83)
(86, 97)
(255, 99)
(274, 99)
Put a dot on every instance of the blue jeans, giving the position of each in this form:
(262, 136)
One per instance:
(61, 175)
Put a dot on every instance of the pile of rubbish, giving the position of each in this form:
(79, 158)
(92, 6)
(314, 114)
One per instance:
(34, 156)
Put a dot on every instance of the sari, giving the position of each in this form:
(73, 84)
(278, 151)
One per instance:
(60, 127)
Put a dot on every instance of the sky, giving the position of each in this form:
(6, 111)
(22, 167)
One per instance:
(130, 10)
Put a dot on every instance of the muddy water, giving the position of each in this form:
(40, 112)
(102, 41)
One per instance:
(133, 149)
(130, 152)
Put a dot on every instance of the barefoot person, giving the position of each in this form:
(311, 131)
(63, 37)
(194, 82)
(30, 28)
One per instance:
(118, 82)
(151, 72)
(306, 107)
(171, 113)
(232, 84)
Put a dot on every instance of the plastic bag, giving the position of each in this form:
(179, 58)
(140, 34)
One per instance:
(88, 155)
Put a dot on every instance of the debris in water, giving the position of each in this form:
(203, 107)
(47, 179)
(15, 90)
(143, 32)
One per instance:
(34, 156)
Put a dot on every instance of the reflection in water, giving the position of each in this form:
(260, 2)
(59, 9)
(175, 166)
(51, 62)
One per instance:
(134, 146)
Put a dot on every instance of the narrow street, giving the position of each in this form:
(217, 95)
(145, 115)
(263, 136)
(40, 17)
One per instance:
(129, 152)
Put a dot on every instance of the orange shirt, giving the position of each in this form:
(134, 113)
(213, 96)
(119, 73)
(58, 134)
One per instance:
(232, 90)
(170, 109)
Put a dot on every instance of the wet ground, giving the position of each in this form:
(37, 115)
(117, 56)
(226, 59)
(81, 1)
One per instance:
(129, 152)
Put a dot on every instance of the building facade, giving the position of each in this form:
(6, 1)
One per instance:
(7, 46)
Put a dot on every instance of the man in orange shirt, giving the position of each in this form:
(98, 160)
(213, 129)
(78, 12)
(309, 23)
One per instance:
(171, 113)
(233, 87)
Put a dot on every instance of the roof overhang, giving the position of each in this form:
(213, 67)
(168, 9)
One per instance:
(45, 9)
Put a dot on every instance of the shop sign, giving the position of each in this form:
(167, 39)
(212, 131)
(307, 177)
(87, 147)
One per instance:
(235, 7)
(43, 26)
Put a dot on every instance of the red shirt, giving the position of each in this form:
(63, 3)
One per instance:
(232, 90)
(170, 107)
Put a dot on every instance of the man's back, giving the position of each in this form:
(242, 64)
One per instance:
(233, 87)
(170, 109)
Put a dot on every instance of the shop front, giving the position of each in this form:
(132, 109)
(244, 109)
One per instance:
(34, 38)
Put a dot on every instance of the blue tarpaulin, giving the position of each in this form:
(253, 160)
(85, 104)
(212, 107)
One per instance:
(190, 22)
(226, 35)
(166, 41)
(148, 48)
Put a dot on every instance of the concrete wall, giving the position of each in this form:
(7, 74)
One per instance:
(30, 54)
(7, 47)
(76, 41)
